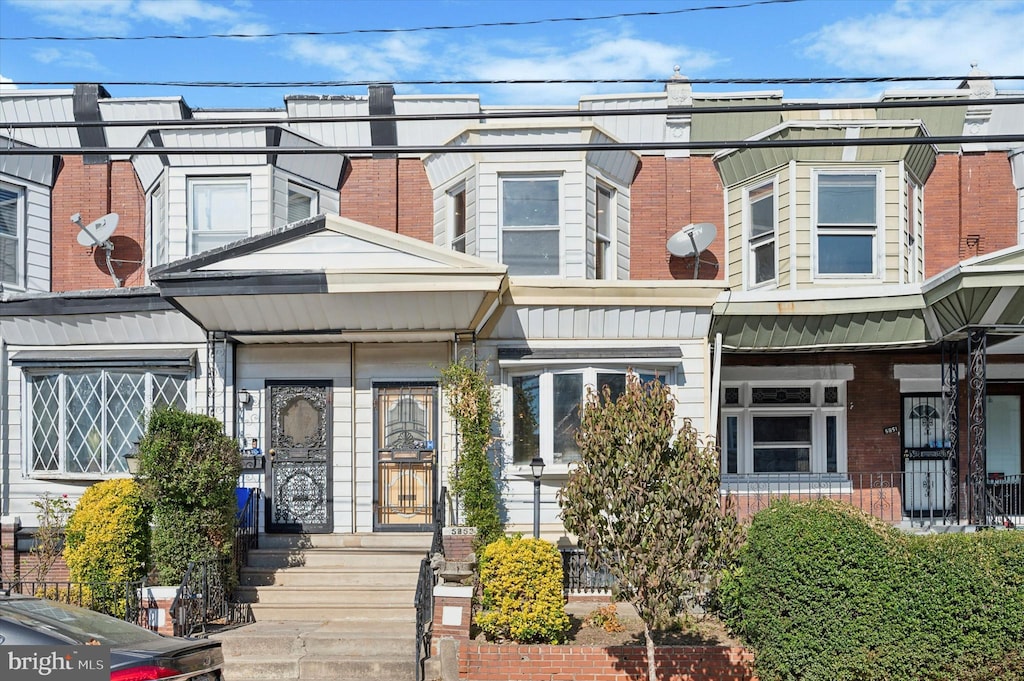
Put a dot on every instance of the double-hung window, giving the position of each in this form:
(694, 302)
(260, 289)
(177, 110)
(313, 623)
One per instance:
(847, 223)
(158, 225)
(783, 427)
(302, 202)
(457, 218)
(761, 232)
(531, 225)
(546, 409)
(12, 230)
(219, 211)
(604, 244)
(84, 422)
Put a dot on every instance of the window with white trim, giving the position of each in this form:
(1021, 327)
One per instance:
(545, 409)
(783, 427)
(761, 231)
(604, 241)
(531, 225)
(84, 422)
(846, 221)
(457, 218)
(158, 225)
(302, 202)
(12, 233)
(219, 211)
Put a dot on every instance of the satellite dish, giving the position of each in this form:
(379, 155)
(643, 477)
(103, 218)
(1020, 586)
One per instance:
(97, 235)
(691, 241)
(97, 232)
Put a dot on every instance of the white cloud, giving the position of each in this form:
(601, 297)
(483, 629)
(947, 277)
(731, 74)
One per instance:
(925, 38)
(396, 57)
(181, 12)
(72, 58)
(106, 17)
(7, 83)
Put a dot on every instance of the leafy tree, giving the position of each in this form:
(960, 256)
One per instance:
(470, 400)
(644, 501)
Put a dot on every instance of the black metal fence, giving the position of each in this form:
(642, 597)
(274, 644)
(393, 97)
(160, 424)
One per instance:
(579, 578)
(247, 530)
(424, 598)
(117, 599)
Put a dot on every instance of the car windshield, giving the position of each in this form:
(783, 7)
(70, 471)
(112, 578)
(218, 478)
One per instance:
(79, 624)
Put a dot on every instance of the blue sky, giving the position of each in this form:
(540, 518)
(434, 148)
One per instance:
(807, 38)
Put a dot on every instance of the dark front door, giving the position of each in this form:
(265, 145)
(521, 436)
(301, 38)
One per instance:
(406, 419)
(299, 457)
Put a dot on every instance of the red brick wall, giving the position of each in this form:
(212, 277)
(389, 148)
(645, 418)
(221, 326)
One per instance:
(668, 194)
(392, 194)
(492, 662)
(94, 191)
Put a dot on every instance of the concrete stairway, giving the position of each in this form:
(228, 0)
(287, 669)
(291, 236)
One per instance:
(327, 607)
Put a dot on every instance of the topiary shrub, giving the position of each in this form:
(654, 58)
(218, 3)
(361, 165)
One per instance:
(825, 592)
(107, 542)
(521, 584)
(188, 469)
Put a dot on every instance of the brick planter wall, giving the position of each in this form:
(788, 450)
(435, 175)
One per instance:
(493, 662)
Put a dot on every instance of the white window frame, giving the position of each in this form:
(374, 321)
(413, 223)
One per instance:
(159, 250)
(746, 411)
(20, 193)
(876, 232)
(558, 227)
(546, 425)
(28, 389)
(754, 243)
(312, 195)
(194, 181)
(454, 238)
(605, 265)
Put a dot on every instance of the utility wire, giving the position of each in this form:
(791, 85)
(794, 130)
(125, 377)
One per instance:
(514, 148)
(363, 31)
(824, 80)
(523, 114)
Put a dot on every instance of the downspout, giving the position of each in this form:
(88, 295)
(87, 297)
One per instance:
(716, 385)
(352, 426)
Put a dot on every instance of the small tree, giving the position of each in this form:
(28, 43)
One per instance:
(644, 501)
(470, 400)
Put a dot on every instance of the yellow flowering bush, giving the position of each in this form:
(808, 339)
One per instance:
(521, 581)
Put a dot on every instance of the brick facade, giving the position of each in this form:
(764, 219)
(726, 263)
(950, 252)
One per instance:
(389, 193)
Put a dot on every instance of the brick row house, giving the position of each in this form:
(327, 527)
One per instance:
(853, 327)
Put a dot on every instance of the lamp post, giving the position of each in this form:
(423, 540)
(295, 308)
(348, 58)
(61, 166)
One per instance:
(537, 468)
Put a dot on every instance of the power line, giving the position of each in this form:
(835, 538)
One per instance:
(521, 114)
(784, 80)
(364, 31)
(514, 148)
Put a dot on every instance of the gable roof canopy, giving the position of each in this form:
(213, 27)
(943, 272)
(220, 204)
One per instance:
(330, 279)
(986, 291)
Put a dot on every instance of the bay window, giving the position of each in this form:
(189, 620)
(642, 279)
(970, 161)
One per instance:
(847, 223)
(531, 225)
(219, 211)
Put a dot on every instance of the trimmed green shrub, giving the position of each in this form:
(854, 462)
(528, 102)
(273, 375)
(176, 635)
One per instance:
(521, 582)
(107, 541)
(824, 591)
(188, 469)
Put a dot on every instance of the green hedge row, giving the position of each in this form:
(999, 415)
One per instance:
(824, 592)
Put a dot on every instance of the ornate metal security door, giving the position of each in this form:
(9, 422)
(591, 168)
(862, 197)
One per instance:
(299, 458)
(405, 440)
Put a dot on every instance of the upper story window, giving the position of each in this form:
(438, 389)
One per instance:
(604, 241)
(12, 230)
(762, 231)
(457, 219)
(302, 202)
(84, 422)
(546, 410)
(846, 222)
(530, 225)
(158, 226)
(218, 212)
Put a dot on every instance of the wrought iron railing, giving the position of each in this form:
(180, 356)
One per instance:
(247, 529)
(204, 599)
(117, 599)
(1006, 500)
(425, 582)
(578, 577)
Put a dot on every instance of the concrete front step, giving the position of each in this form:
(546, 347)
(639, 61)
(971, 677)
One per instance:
(341, 595)
(349, 558)
(313, 651)
(413, 541)
(311, 611)
(341, 578)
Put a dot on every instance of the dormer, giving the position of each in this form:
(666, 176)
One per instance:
(197, 202)
(829, 215)
(542, 213)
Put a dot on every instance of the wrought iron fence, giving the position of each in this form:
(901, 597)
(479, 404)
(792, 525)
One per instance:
(247, 528)
(117, 599)
(204, 599)
(1006, 500)
(424, 598)
(578, 577)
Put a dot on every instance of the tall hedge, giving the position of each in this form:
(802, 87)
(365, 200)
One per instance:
(189, 470)
(825, 592)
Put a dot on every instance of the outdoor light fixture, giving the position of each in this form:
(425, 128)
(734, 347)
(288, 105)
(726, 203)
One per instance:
(537, 468)
(131, 459)
(244, 397)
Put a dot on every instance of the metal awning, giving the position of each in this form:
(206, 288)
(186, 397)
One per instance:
(172, 358)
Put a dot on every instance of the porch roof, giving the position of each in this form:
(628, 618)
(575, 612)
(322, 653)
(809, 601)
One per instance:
(333, 279)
